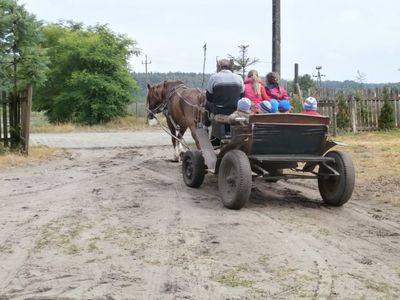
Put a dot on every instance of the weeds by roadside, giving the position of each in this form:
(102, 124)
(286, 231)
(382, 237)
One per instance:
(377, 160)
(11, 159)
(40, 124)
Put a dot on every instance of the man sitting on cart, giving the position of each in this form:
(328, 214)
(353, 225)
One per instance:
(224, 89)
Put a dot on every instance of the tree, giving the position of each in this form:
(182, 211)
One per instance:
(386, 118)
(343, 115)
(89, 81)
(23, 61)
(242, 60)
(307, 85)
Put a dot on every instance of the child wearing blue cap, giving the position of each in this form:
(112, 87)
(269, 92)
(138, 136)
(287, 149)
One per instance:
(284, 106)
(267, 107)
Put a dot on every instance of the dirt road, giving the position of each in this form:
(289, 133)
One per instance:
(118, 223)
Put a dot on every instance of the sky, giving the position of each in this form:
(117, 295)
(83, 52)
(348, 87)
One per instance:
(342, 36)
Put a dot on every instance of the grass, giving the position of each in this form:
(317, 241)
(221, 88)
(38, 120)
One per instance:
(63, 236)
(376, 158)
(38, 153)
(231, 278)
(40, 124)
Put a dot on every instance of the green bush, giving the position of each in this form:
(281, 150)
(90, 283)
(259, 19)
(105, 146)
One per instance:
(297, 104)
(386, 118)
(89, 80)
(343, 115)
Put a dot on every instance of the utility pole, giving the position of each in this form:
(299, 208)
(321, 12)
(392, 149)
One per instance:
(204, 64)
(146, 62)
(319, 76)
(276, 36)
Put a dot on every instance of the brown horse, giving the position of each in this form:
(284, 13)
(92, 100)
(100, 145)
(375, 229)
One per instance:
(181, 105)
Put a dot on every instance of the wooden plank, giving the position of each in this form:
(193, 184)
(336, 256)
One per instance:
(207, 149)
(290, 158)
(26, 107)
(5, 125)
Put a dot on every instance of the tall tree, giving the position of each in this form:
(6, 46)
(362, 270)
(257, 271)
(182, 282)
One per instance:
(23, 60)
(243, 60)
(89, 80)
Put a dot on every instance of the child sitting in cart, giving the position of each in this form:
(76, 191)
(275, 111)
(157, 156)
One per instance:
(310, 107)
(242, 113)
(268, 106)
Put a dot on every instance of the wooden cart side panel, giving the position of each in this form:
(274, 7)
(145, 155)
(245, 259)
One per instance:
(293, 139)
(289, 118)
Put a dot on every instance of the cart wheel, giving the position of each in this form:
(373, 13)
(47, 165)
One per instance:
(337, 190)
(234, 179)
(193, 168)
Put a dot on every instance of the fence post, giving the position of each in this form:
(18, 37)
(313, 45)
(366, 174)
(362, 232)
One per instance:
(26, 106)
(353, 114)
(5, 119)
(334, 118)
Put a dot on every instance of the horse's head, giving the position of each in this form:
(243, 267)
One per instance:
(157, 95)
(155, 98)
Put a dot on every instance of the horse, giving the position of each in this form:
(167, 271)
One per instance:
(182, 107)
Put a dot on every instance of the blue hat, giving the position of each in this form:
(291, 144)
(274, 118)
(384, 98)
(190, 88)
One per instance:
(274, 105)
(244, 105)
(284, 106)
(264, 107)
(310, 104)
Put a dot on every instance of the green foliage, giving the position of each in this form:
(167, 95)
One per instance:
(297, 104)
(307, 85)
(386, 118)
(242, 60)
(343, 115)
(89, 80)
(22, 59)
(364, 109)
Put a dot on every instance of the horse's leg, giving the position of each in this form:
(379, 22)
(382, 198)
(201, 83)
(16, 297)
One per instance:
(194, 135)
(174, 141)
(181, 132)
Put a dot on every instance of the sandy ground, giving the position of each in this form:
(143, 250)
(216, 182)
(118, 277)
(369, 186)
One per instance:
(119, 223)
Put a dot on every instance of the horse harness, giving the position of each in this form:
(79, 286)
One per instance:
(162, 107)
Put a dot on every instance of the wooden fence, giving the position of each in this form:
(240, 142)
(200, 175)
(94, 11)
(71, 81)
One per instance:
(364, 107)
(15, 115)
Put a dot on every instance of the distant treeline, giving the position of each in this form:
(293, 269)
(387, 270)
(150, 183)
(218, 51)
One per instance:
(196, 80)
(190, 79)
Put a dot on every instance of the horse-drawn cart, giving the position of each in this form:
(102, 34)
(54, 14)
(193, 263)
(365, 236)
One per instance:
(273, 147)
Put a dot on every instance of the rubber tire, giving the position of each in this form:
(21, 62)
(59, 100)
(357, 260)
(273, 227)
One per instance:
(336, 191)
(235, 194)
(193, 168)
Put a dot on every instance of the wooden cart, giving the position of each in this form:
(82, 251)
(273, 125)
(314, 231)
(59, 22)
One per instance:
(274, 147)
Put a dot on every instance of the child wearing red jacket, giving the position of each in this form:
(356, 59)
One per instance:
(254, 90)
(273, 89)
(310, 107)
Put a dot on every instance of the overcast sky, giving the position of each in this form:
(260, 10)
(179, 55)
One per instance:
(342, 36)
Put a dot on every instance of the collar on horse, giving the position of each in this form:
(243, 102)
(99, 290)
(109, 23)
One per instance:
(163, 105)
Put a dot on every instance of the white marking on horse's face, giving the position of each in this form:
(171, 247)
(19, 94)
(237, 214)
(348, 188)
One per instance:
(153, 122)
